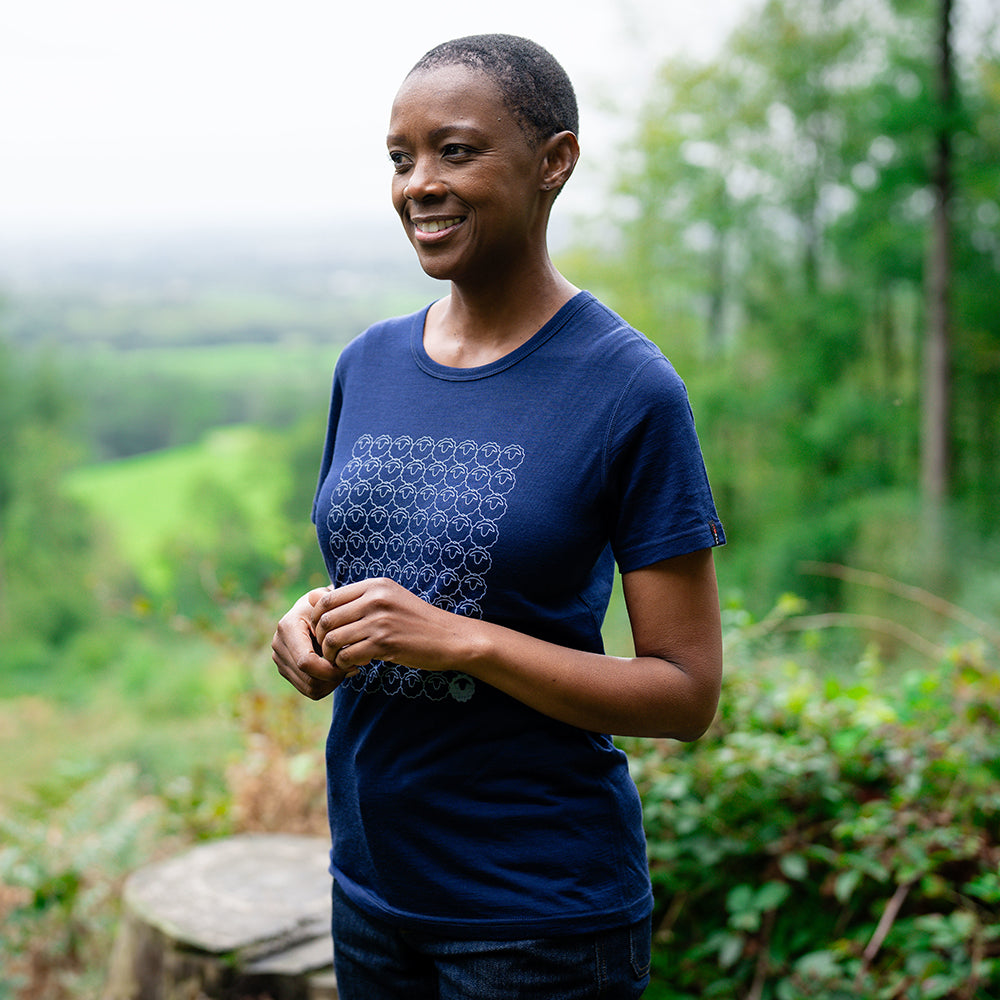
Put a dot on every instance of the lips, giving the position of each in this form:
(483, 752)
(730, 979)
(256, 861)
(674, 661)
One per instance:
(429, 230)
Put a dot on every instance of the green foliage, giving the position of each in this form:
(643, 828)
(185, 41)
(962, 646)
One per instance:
(44, 536)
(61, 869)
(65, 854)
(772, 222)
(69, 839)
(167, 338)
(835, 835)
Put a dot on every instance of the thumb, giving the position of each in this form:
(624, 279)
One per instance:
(314, 595)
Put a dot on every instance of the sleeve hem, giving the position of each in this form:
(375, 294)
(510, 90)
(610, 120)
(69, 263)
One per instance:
(705, 536)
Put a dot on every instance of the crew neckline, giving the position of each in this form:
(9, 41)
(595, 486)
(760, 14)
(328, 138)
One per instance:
(427, 364)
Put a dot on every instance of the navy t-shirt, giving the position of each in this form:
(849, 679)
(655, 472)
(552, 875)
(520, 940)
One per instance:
(505, 492)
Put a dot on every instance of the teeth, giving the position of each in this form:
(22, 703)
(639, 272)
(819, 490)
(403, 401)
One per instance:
(436, 227)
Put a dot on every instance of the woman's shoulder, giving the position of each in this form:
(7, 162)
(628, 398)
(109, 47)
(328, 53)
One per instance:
(620, 346)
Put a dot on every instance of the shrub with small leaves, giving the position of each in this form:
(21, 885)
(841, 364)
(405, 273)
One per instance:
(61, 870)
(831, 837)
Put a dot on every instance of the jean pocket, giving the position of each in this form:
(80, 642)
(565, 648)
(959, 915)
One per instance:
(640, 947)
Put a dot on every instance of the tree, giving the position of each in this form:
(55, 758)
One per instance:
(780, 204)
(45, 538)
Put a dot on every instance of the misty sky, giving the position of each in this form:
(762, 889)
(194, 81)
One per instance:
(125, 113)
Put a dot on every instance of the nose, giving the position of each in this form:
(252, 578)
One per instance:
(423, 181)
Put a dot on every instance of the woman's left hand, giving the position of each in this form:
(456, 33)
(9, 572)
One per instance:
(378, 619)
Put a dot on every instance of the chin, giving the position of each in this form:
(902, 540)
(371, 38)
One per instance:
(437, 273)
(436, 268)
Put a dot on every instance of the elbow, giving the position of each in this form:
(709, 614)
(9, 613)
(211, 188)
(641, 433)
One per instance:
(694, 730)
(688, 719)
(687, 728)
(704, 712)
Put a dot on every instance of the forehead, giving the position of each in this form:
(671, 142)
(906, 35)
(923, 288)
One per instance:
(430, 99)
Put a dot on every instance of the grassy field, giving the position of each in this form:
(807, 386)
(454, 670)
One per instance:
(149, 502)
(292, 362)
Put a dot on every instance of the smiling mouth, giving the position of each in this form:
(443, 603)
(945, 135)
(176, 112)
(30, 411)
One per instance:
(429, 228)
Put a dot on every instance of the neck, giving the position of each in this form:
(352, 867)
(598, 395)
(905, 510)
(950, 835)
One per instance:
(476, 326)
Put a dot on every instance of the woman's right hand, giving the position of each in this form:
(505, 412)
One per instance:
(297, 654)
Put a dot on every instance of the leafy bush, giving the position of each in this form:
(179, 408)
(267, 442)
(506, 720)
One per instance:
(833, 836)
(61, 868)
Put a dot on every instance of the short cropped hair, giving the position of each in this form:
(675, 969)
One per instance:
(532, 84)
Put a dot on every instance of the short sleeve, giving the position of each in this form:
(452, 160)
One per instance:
(661, 501)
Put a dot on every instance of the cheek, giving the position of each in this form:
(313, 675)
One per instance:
(398, 201)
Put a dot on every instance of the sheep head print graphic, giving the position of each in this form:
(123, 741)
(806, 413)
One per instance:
(426, 514)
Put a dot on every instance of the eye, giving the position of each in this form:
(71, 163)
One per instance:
(455, 150)
(399, 160)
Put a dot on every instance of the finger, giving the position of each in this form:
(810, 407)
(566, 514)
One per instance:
(298, 663)
(296, 649)
(316, 689)
(305, 683)
(340, 606)
(343, 645)
(342, 626)
(300, 681)
(351, 658)
(327, 598)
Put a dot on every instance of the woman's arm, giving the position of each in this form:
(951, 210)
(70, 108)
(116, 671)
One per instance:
(670, 688)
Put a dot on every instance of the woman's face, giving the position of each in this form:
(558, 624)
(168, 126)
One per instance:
(467, 184)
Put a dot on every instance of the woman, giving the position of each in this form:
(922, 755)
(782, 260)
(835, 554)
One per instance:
(488, 459)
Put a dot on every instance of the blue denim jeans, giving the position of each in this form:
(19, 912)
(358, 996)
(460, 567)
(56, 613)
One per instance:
(375, 960)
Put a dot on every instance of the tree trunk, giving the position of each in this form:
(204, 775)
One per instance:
(935, 457)
(717, 295)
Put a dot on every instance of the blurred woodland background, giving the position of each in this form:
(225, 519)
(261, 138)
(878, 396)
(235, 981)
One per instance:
(808, 224)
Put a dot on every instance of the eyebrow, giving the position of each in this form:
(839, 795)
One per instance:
(439, 133)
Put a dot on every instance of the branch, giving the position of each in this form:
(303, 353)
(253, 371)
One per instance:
(665, 928)
(889, 915)
(870, 622)
(915, 594)
(763, 957)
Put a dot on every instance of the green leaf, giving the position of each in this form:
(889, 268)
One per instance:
(731, 949)
(845, 884)
(794, 866)
(771, 895)
(985, 887)
(740, 898)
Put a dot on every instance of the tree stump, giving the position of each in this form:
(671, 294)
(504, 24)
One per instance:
(244, 918)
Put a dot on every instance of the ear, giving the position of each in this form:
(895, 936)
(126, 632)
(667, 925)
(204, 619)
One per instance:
(559, 156)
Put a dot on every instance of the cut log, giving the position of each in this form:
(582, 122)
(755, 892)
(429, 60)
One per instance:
(244, 918)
